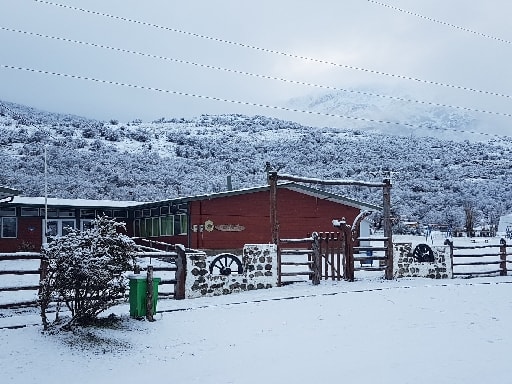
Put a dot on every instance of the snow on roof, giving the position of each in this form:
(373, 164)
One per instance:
(7, 193)
(289, 185)
(22, 200)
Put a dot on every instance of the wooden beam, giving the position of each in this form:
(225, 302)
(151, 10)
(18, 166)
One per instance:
(328, 182)
(388, 230)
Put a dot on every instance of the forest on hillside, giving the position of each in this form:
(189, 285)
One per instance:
(434, 180)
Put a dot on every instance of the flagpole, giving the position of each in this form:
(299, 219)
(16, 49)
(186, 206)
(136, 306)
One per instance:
(45, 229)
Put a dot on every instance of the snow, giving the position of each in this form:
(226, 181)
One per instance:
(368, 331)
(413, 331)
(73, 202)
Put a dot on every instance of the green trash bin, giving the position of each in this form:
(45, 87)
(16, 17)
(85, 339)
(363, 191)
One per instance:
(138, 286)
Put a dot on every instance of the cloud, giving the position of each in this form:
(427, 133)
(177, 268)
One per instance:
(358, 34)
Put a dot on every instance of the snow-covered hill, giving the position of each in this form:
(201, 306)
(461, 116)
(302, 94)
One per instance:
(432, 178)
(403, 115)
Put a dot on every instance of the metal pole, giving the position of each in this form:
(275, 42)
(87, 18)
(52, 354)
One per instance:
(45, 228)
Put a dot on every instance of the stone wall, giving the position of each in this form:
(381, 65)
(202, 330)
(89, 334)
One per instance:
(259, 263)
(405, 265)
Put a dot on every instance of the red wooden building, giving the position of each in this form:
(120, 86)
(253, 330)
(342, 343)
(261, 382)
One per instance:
(228, 220)
(220, 221)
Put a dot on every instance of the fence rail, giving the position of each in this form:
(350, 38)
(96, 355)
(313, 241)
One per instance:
(175, 258)
(471, 260)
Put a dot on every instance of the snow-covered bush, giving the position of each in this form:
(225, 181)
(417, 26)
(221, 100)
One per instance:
(86, 271)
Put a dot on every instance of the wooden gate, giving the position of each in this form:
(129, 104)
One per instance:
(332, 255)
(349, 235)
(316, 257)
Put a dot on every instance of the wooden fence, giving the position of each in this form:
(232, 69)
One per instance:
(480, 259)
(168, 261)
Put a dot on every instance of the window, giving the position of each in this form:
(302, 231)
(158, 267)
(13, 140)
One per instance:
(148, 228)
(184, 224)
(143, 231)
(136, 228)
(155, 212)
(138, 214)
(29, 211)
(167, 225)
(66, 225)
(104, 212)
(180, 224)
(85, 224)
(59, 227)
(165, 210)
(52, 212)
(161, 226)
(9, 227)
(155, 222)
(88, 213)
(121, 213)
(66, 212)
(4, 211)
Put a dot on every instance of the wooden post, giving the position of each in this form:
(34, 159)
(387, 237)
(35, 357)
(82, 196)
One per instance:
(326, 255)
(388, 230)
(348, 250)
(321, 251)
(503, 257)
(449, 243)
(44, 297)
(338, 256)
(43, 272)
(149, 294)
(274, 226)
(181, 273)
(316, 259)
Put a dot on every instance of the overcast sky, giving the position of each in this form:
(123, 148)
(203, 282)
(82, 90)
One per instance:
(354, 33)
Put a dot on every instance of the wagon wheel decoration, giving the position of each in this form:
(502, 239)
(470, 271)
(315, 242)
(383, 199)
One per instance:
(225, 264)
(423, 253)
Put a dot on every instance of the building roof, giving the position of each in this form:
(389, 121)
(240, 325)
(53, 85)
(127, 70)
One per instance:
(69, 203)
(300, 188)
(288, 185)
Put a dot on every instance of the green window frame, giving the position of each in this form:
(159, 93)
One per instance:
(167, 225)
(155, 224)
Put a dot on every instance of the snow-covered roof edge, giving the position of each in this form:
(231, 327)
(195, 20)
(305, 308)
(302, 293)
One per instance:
(289, 185)
(55, 202)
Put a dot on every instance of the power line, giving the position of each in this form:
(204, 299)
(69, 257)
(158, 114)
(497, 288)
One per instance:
(276, 52)
(239, 102)
(261, 76)
(445, 23)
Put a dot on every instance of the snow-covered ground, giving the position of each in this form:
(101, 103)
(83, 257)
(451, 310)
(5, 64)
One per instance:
(368, 331)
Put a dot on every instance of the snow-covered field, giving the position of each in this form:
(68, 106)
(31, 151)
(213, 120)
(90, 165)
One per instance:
(368, 331)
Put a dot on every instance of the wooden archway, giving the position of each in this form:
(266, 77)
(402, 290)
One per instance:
(274, 178)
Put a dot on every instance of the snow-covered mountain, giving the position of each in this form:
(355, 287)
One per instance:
(397, 115)
(432, 178)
